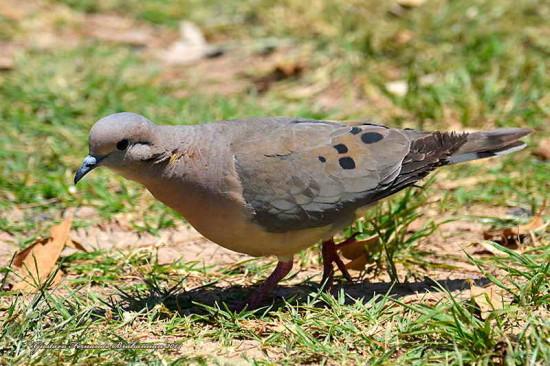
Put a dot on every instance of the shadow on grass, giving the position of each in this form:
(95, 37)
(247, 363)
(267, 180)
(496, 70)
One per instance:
(189, 302)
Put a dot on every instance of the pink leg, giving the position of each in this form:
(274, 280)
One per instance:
(330, 256)
(328, 269)
(282, 269)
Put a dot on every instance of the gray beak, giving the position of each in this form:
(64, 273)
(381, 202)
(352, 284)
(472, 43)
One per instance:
(89, 163)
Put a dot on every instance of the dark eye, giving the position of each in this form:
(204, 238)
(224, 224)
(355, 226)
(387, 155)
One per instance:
(122, 144)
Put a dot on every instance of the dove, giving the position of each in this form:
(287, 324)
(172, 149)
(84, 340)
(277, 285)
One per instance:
(273, 186)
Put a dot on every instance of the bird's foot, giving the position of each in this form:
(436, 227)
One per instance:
(330, 256)
(262, 292)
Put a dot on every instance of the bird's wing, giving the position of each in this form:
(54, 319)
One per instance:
(297, 174)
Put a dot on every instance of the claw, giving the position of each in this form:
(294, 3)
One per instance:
(330, 256)
(261, 293)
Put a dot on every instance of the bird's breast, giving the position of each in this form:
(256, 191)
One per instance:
(214, 206)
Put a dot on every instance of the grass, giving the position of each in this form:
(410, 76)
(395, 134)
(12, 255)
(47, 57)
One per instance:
(465, 64)
(320, 327)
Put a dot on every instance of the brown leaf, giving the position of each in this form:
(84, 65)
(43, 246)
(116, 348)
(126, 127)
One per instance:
(505, 237)
(488, 248)
(537, 224)
(358, 263)
(71, 243)
(513, 237)
(487, 298)
(359, 252)
(281, 71)
(36, 262)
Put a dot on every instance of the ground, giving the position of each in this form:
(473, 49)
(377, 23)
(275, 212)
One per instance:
(460, 271)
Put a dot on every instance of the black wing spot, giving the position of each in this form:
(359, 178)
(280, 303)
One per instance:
(322, 159)
(371, 137)
(341, 148)
(355, 130)
(347, 163)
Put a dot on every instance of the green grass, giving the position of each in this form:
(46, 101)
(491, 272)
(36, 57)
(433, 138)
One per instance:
(320, 327)
(488, 67)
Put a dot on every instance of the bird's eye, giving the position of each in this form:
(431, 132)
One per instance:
(122, 144)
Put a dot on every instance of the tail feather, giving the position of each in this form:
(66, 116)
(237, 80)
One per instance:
(480, 145)
(430, 150)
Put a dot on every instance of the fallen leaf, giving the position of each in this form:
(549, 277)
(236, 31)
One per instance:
(191, 47)
(359, 252)
(537, 224)
(359, 263)
(71, 243)
(505, 237)
(488, 299)
(513, 237)
(36, 262)
(489, 248)
(281, 71)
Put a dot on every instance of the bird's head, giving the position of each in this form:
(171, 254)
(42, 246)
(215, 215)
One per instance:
(121, 142)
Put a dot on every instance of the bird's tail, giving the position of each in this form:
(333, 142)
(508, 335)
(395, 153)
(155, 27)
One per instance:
(480, 145)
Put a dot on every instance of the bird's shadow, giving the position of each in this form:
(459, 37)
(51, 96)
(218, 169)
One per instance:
(200, 300)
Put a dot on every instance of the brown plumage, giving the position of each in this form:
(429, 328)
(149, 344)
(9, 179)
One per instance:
(276, 185)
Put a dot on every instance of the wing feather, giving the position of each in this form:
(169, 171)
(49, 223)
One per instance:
(297, 175)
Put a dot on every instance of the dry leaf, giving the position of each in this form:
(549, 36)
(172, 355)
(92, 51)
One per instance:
(36, 262)
(537, 224)
(513, 237)
(359, 252)
(191, 47)
(281, 71)
(358, 263)
(489, 248)
(487, 298)
(71, 243)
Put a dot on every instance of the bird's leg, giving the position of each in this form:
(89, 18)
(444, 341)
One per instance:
(328, 269)
(282, 269)
(330, 256)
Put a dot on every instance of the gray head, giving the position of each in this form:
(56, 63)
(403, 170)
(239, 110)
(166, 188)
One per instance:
(121, 142)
